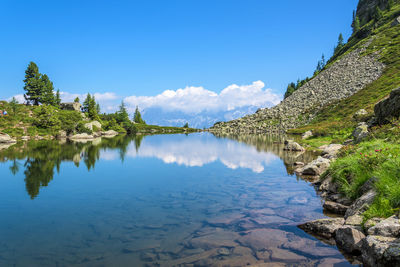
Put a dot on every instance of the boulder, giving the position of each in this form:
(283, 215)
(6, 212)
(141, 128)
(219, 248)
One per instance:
(316, 167)
(380, 251)
(62, 135)
(371, 223)
(82, 136)
(389, 227)
(359, 115)
(290, 145)
(361, 204)
(388, 108)
(306, 135)
(331, 151)
(335, 208)
(349, 239)
(323, 227)
(90, 125)
(396, 22)
(71, 106)
(6, 139)
(328, 185)
(360, 132)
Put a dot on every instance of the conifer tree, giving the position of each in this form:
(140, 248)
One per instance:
(137, 117)
(123, 115)
(76, 100)
(356, 26)
(47, 96)
(58, 98)
(86, 103)
(378, 13)
(340, 44)
(33, 84)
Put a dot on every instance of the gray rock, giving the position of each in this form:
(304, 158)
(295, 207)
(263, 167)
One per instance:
(323, 227)
(361, 204)
(349, 239)
(71, 106)
(316, 167)
(6, 139)
(388, 108)
(367, 186)
(62, 135)
(360, 132)
(331, 151)
(372, 222)
(90, 125)
(334, 207)
(290, 145)
(375, 251)
(360, 114)
(82, 136)
(389, 227)
(306, 135)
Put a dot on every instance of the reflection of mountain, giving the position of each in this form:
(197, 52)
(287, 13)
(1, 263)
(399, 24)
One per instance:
(202, 119)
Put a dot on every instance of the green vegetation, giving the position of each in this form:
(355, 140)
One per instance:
(376, 159)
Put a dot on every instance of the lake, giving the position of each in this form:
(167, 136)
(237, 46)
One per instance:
(162, 200)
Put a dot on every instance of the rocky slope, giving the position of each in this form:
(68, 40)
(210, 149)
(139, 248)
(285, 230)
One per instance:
(343, 78)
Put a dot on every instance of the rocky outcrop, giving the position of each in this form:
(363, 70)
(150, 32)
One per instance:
(71, 106)
(360, 115)
(82, 136)
(342, 79)
(6, 139)
(349, 239)
(109, 133)
(388, 108)
(92, 124)
(396, 21)
(389, 227)
(307, 135)
(331, 151)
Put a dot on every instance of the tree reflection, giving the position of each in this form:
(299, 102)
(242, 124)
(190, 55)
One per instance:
(42, 158)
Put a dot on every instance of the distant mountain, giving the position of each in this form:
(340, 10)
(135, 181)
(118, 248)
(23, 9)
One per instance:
(202, 119)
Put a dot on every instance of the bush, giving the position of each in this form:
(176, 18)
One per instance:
(80, 128)
(69, 120)
(46, 118)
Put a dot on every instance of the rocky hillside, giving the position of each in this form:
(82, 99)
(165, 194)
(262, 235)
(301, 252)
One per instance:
(363, 61)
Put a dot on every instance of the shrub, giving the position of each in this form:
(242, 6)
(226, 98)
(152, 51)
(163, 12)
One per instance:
(80, 128)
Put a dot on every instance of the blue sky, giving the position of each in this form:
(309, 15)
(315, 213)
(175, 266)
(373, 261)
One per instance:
(142, 48)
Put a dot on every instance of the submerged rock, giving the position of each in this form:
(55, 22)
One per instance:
(323, 227)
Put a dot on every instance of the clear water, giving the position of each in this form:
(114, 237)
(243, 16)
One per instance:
(166, 200)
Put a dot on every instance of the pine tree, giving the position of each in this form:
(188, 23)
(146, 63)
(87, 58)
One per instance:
(86, 103)
(47, 96)
(137, 117)
(14, 105)
(356, 26)
(378, 14)
(33, 84)
(340, 44)
(76, 100)
(123, 115)
(58, 98)
(390, 5)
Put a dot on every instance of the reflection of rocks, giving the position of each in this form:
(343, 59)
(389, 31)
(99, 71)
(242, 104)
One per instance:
(6, 139)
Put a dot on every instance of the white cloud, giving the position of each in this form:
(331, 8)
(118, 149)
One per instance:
(100, 97)
(20, 98)
(197, 99)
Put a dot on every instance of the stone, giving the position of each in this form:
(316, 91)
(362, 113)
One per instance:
(216, 239)
(261, 239)
(374, 248)
(82, 136)
(349, 239)
(306, 135)
(368, 185)
(331, 262)
(290, 145)
(359, 115)
(354, 220)
(388, 108)
(310, 247)
(372, 222)
(263, 255)
(6, 139)
(316, 167)
(285, 255)
(323, 227)
(90, 125)
(71, 106)
(328, 185)
(335, 208)
(299, 163)
(396, 22)
(224, 252)
(331, 151)
(62, 135)
(389, 227)
(360, 133)
(361, 204)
